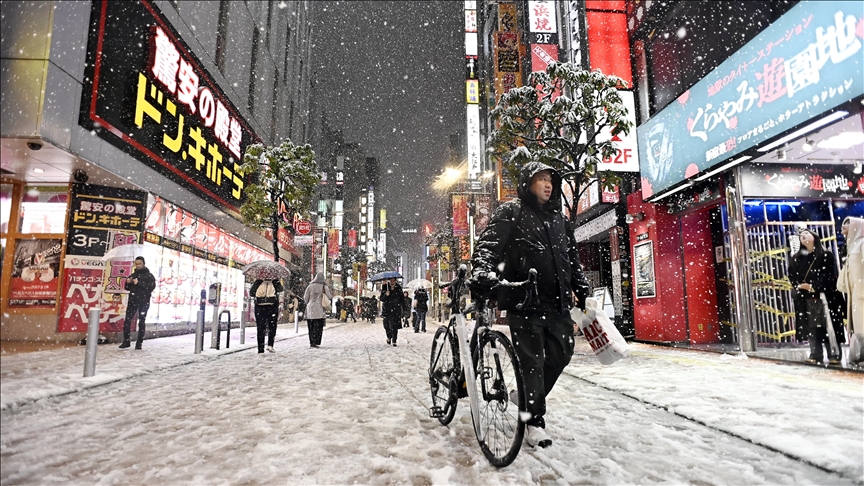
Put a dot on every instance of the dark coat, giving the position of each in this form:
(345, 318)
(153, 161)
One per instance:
(422, 300)
(406, 305)
(820, 270)
(391, 305)
(140, 293)
(541, 238)
(277, 286)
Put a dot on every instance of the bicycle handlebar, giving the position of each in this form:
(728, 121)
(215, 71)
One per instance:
(456, 284)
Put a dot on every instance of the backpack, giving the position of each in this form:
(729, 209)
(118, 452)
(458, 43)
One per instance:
(266, 289)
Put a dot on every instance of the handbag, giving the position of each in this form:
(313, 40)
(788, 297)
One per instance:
(325, 301)
(856, 348)
(604, 338)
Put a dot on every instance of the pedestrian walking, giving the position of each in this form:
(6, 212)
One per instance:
(339, 305)
(531, 232)
(373, 309)
(406, 308)
(140, 285)
(421, 307)
(266, 293)
(315, 315)
(851, 283)
(812, 272)
(349, 310)
(392, 301)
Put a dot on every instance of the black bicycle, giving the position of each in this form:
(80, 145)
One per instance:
(493, 384)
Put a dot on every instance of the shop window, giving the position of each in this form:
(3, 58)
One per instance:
(43, 209)
(5, 206)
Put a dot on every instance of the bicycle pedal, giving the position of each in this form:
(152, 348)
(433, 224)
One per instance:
(436, 412)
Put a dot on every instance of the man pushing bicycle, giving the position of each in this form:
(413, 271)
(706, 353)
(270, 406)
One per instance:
(531, 232)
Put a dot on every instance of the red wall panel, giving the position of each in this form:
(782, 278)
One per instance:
(699, 277)
(608, 45)
(660, 318)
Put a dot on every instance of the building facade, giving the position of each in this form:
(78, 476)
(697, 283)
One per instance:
(125, 122)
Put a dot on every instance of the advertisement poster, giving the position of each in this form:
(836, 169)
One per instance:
(460, 214)
(35, 273)
(643, 256)
(100, 218)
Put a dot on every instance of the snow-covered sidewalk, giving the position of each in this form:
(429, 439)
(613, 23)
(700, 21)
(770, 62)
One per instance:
(25, 377)
(356, 411)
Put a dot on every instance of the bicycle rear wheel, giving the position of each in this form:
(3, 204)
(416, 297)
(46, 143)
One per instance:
(443, 375)
(499, 375)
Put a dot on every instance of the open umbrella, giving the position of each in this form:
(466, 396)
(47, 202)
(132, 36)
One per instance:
(419, 283)
(265, 270)
(384, 276)
(349, 297)
(128, 252)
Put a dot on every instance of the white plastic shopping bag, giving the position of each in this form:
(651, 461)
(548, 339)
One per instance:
(608, 344)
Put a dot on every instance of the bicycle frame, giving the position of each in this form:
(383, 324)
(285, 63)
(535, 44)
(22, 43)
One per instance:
(467, 362)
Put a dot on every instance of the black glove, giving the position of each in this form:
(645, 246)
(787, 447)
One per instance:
(481, 284)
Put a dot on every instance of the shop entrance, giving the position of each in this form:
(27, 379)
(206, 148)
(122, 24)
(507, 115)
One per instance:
(706, 291)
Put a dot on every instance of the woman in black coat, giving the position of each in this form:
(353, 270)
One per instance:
(812, 271)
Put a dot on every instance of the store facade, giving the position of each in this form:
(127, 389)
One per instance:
(135, 138)
(768, 142)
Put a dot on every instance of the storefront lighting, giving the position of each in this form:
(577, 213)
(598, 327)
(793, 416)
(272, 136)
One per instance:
(38, 170)
(807, 129)
(857, 169)
(781, 154)
(724, 167)
(686, 185)
(808, 145)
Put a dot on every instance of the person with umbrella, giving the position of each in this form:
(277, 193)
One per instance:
(421, 299)
(140, 285)
(392, 301)
(315, 314)
(266, 293)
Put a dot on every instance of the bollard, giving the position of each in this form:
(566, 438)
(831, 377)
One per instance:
(214, 328)
(92, 340)
(199, 333)
(228, 331)
(296, 322)
(243, 324)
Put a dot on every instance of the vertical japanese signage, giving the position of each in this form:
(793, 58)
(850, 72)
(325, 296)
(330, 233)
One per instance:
(460, 214)
(806, 63)
(472, 93)
(148, 94)
(100, 219)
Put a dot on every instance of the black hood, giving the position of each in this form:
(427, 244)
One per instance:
(528, 197)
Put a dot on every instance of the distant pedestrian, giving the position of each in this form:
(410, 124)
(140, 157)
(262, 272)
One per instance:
(140, 285)
(315, 315)
(406, 308)
(349, 310)
(338, 305)
(421, 306)
(851, 283)
(392, 301)
(266, 293)
(373, 309)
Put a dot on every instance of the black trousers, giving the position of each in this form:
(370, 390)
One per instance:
(131, 310)
(392, 323)
(544, 346)
(265, 322)
(817, 330)
(316, 331)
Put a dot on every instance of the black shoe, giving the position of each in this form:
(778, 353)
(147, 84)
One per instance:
(394, 344)
(416, 332)
(137, 345)
(388, 342)
(124, 345)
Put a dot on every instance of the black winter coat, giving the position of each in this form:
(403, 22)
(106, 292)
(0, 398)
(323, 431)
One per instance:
(422, 300)
(391, 305)
(820, 270)
(540, 238)
(140, 293)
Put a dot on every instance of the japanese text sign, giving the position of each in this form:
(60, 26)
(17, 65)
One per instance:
(806, 63)
(148, 94)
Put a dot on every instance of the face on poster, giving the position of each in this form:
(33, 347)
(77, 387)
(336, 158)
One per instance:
(36, 265)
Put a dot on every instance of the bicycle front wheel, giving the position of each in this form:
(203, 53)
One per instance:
(443, 375)
(499, 381)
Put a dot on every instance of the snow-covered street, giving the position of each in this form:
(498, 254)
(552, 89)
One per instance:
(355, 411)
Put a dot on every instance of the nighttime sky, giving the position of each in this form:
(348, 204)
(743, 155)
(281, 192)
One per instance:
(390, 76)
